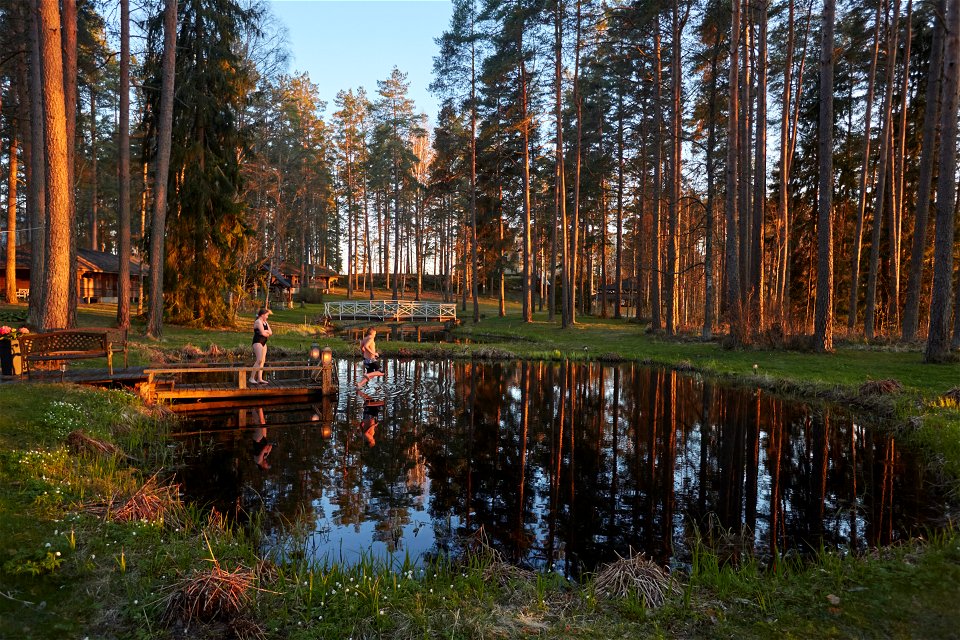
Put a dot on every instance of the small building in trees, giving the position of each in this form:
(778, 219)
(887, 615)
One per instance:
(97, 273)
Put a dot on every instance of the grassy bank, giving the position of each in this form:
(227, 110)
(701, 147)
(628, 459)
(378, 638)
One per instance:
(78, 562)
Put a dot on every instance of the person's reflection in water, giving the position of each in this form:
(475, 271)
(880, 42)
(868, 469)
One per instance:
(371, 416)
(261, 446)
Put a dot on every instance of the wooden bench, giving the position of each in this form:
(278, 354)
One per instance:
(65, 345)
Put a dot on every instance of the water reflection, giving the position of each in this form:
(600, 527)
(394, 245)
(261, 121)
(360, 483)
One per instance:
(557, 464)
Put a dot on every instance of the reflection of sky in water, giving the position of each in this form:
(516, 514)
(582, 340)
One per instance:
(645, 458)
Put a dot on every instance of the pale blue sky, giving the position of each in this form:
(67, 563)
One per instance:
(347, 44)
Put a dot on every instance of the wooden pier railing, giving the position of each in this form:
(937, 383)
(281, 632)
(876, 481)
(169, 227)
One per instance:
(396, 310)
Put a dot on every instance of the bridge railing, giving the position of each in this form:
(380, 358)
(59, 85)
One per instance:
(396, 310)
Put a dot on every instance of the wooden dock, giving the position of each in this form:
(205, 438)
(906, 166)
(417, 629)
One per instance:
(395, 310)
(224, 385)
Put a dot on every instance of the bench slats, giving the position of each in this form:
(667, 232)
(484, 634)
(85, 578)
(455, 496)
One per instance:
(65, 345)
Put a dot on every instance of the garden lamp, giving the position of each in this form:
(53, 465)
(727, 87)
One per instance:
(314, 352)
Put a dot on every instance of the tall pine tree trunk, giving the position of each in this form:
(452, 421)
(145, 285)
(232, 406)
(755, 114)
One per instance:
(123, 286)
(732, 266)
(823, 320)
(883, 175)
(55, 305)
(575, 223)
(938, 335)
(757, 296)
(676, 131)
(36, 193)
(864, 176)
(655, 261)
(896, 210)
(474, 260)
(783, 202)
(618, 275)
(525, 139)
(911, 310)
(164, 143)
(94, 177)
(560, 186)
(708, 256)
(11, 236)
(68, 43)
(745, 161)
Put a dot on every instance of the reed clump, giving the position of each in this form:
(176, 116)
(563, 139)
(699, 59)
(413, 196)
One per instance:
(880, 387)
(215, 595)
(151, 502)
(80, 442)
(635, 574)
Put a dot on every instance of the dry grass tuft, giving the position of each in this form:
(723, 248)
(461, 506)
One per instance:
(79, 442)
(245, 628)
(634, 574)
(503, 573)
(953, 396)
(212, 596)
(217, 521)
(880, 387)
(151, 502)
(216, 351)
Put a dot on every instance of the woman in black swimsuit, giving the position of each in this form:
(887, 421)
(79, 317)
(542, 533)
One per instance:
(261, 331)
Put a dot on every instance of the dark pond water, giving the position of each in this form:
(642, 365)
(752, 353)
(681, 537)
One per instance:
(559, 465)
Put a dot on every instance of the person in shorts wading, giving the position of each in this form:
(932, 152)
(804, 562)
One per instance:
(368, 348)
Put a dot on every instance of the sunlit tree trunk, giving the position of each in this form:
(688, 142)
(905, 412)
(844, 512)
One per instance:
(94, 178)
(619, 257)
(911, 310)
(938, 345)
(864, 177)
(123, 286)
(575, 223)
(732, 267)
(757, 295)
(676, 131)
(883, 174)
(11, 236)
(560, 186)
(709, 298)
(36, 194)
(68, 16)
(823, 322)
(164, 138)
(655, 279)
(55, 305)
(896, 210)
(525, 138)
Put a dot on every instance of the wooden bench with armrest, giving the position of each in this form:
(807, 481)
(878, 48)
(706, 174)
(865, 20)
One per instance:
(117, 338)
(65, 345)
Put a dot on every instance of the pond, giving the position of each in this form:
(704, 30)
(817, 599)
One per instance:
(557, 465)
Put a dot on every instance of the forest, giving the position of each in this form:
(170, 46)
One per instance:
(777, 172)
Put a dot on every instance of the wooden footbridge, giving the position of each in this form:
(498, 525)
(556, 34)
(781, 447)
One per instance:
(396, 310)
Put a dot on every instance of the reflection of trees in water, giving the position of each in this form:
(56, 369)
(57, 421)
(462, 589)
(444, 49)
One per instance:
(572, 463)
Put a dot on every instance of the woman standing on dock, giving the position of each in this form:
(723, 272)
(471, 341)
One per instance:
(261, 331)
